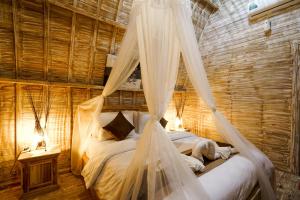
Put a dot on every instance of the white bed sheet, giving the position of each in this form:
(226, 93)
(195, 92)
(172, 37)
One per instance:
(234, 179)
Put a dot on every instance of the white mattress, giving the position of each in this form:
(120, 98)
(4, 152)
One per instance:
(234, 179)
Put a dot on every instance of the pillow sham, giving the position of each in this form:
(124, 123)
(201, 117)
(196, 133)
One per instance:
(163, 122)
(120, 127)
(104, 119)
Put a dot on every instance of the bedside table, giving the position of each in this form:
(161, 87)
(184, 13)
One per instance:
(39, 171)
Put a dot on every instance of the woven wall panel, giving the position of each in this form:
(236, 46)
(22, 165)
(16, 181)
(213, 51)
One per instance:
(7, 130)
(123, 15)
(95, 92)
(103, 43)
(58, 126)
(31, 65)
(113, 99)
(127, 97)
(89, 6)
(182, 77)
(105, 34)
(119, 37)
(82, 49)
(108, 9)
(68, 3)
(59, 44)
(31, 27)
(201, 13)
(140, 98)
(25, 126)
(99, 68)
(78, 96)
(255, 89)
(7, 63)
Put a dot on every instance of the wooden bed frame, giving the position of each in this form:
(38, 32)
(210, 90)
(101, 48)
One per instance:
(254, 195)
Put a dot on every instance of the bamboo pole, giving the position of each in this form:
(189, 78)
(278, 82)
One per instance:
(295, 151)
(93, 45)
(46, 37)
(16, 36)
(72, 44)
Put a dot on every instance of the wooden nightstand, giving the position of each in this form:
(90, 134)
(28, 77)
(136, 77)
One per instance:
(39, 171)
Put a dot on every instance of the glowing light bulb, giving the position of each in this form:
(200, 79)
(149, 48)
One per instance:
(178, 123)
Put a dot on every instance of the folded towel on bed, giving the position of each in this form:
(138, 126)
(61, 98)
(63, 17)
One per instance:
(195, 164)
(211, 150)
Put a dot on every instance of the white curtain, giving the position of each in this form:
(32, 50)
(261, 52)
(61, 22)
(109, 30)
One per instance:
(196, 72)
(85, 121)
(159, 30)
(156, 170)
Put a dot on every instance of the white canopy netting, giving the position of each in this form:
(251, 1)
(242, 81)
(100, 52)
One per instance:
(158, 31)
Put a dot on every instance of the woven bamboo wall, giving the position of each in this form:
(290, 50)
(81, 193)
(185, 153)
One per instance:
(57, 49)
(251, 75)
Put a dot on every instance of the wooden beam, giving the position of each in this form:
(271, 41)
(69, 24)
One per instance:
(60, 84)
(93, 46)
(92, 51)
(18, 110)
(72, 43)
(46, 37)
(271, 9)
(84, 13)
(16, 35)
(118, 10)
(113, 42)
(70, 111)
(295, 108)
(16, 119)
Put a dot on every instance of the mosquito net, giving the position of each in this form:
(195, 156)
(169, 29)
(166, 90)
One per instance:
(158, 31)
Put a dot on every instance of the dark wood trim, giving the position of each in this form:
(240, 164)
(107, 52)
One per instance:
(46, 37)
(113, 42)
(295, 154)
(16, 35)
(72, 43)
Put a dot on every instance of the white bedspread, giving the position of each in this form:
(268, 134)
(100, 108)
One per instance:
(109, 160)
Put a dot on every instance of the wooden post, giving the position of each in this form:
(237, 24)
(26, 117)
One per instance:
(113, 42)
(70, 62)
(46, 37)
(16, 35)
(70, 107)
(15, 116)
(118, 10)
(295, 107)
(93, 45)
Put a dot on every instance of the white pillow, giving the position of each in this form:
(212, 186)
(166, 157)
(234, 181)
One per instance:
(143, 118)
(105, 118)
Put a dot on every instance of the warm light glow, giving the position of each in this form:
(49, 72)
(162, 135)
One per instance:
(27, 136)
(37, 138)
(178, 123)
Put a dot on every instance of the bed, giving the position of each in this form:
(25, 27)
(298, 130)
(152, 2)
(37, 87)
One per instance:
(105, 164)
